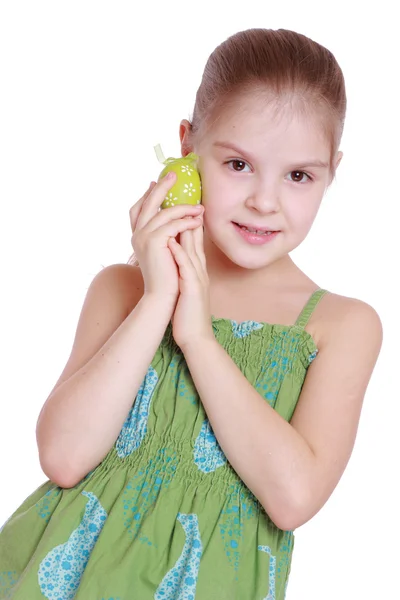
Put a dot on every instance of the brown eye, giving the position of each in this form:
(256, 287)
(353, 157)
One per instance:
(297, 176)
(238, 165)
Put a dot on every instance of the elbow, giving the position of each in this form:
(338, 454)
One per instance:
(58, 473)
(56, 465)
(57, 468)
(288, 520)
(291, 512)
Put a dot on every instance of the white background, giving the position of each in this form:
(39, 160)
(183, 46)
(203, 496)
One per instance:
(87, 90)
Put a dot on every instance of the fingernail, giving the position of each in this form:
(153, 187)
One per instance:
(170, 175)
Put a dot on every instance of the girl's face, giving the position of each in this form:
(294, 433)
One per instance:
(263, 170)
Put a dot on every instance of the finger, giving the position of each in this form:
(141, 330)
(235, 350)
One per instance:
(198, 240)
(189, 246)
(134, 211)
(187, 243)
(185, 265)
(176, 227)
(156, 198)
(170, 214)
(136, 207)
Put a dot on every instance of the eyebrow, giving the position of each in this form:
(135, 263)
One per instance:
(300, 165)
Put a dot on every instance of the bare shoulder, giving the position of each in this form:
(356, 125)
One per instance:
(112, 295)
(340, 316)
(122, 281)
(350, 339)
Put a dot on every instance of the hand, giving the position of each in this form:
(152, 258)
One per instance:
(152, 228)
(191, 321)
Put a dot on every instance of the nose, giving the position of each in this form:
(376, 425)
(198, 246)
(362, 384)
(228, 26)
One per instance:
(264, 196)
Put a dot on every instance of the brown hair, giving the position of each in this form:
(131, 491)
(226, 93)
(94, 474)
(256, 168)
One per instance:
(284, 64)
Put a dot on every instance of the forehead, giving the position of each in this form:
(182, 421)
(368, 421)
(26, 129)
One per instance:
(282, 128)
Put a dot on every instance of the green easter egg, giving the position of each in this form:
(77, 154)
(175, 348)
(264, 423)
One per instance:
(187, 187)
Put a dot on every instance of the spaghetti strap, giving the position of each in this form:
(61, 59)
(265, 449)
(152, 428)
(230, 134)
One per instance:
(309, 308)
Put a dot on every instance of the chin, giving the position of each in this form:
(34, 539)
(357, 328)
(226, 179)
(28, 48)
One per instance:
(249, 260)
(252, 264)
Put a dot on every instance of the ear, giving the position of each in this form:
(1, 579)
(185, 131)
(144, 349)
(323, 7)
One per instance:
(185, 135)
(338, 159)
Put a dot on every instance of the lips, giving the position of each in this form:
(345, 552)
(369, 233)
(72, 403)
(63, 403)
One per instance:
(256, 228)
(255, 238)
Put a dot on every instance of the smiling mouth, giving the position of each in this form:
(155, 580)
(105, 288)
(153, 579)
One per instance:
(263, 231)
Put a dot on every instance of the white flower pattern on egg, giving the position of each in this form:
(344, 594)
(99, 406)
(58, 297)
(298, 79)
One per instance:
(187, 169)
(189, 189)
(170, 199)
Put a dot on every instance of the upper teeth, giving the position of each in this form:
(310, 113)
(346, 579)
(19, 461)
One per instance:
(257, 231)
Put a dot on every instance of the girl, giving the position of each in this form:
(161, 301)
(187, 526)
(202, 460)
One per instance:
(212, 396)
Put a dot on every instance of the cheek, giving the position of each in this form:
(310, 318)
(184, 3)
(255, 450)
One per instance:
(302, 214)
(215, 198)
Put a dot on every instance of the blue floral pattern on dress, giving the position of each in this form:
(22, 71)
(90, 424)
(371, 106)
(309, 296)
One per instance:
(284, 553)
(245, 328)
(312, 356)
(271, 572)
(241, 506)
(208, 455)
(61, 570)
(45, 505)
(135, 427)
(7, 581)
(143, 489)
(180, 375)
(180, 582)
(278, 362)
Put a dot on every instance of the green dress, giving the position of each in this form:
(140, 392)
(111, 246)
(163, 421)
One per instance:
(164, 516)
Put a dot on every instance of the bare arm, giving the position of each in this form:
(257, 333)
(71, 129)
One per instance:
(292, 468)
(117, 336)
